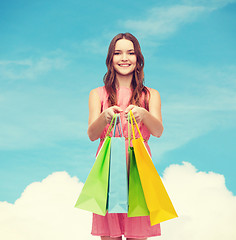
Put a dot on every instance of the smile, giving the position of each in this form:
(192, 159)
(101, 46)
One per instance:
(124, 65)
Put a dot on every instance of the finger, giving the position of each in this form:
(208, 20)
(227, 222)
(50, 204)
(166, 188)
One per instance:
(117, 109)
(109, 116)
(109, 119)
(126, 116)
(136, 116)
(137, 119)
(130, 107)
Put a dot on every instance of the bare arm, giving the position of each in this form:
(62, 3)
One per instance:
(152, 118)
(97, 119)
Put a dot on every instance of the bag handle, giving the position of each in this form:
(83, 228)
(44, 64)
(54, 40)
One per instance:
(119, 129)
(132, 125)
(110, 126)
(129, 135)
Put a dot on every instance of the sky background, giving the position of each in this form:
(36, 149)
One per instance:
(52, 54)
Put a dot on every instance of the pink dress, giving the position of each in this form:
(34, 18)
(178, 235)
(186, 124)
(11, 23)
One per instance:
(118, 224)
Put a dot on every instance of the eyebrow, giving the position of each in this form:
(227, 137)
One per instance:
(130, 50)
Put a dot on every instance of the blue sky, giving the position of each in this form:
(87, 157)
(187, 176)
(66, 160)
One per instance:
(52, 53)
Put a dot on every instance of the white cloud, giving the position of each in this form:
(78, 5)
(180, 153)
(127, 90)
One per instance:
(38, 117)
(205, 206)
(96, 46)
(211, 4)
(46, 210)
(160, 22)
(29, 68)
(163, 21)
(187, 116)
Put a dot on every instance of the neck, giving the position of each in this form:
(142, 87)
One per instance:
(124, 81)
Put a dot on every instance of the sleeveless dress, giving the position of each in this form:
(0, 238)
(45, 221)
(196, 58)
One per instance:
(118, 224)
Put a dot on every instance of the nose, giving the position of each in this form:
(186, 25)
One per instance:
(124, 57)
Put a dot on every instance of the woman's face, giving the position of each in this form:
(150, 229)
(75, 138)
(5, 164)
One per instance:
(124, 59)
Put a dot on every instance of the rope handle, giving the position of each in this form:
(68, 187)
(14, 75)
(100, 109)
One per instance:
(129, 135)
(119, 129)
(132, 125)
(110, 126)
(122, 134)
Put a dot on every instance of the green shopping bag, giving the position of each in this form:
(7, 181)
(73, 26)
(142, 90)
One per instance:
(137, 203)
(93, 196)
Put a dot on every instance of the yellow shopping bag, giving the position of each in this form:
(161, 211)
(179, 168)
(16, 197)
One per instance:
(157, 199)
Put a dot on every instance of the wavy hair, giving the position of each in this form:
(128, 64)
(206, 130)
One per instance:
(137, 83)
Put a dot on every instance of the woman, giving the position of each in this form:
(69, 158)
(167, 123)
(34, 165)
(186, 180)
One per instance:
(124, 91)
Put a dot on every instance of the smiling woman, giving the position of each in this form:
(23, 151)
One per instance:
(124, 91)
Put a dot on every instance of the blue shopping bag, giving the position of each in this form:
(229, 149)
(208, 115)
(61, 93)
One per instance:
(118, 179)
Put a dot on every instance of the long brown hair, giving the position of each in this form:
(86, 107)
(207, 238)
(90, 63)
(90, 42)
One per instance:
(138, 75)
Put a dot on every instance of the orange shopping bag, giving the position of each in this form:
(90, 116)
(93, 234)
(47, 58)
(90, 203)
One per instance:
(157, 199)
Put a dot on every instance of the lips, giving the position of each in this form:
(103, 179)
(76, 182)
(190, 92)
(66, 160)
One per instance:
(124, 65)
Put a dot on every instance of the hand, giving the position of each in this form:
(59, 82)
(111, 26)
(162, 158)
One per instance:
(109, 113)
(138, 112)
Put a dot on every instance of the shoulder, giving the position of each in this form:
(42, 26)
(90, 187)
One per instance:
(97, 91)
(98, 94)
(155, 98)
(94, 100)
(153, 93)
(94, 92)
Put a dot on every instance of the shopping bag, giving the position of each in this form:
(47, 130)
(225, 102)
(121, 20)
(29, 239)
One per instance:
(118, 180)
(93, 196)
(137, 203)
(157, 199)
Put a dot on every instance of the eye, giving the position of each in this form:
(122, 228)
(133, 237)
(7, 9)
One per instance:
(131, 53)
(116, 53)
